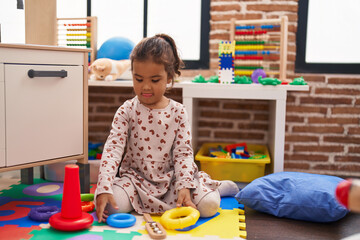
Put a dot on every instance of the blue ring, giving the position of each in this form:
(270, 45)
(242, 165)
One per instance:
(121, 220)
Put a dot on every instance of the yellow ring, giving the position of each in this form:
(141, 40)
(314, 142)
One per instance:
(178, 218)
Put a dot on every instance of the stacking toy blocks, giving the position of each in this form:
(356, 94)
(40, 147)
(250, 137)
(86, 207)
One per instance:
(71, 217)
(226, 62)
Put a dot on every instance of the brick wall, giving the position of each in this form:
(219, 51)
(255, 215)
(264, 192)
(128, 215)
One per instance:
(322, 125)
(103, 103)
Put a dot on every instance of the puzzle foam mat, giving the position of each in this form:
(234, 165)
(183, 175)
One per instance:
(17, 199)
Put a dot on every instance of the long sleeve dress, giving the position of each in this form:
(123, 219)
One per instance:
(158, 158)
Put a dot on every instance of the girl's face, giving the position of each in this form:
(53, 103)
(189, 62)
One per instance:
(150, 80)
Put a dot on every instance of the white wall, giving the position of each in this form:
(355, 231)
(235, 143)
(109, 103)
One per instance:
(118, 18)
(183, 24)
(12, 20)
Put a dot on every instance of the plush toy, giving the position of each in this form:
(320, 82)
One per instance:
(108, 69)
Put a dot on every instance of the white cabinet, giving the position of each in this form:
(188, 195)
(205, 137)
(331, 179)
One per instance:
(44, 115)
(43, 106)
(2, 117)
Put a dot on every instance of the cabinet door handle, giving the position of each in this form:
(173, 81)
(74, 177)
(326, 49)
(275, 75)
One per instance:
(32, 73)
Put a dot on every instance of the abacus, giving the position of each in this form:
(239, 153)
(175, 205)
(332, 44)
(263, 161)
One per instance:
(154, 229)
(260, 44)
(79, 33)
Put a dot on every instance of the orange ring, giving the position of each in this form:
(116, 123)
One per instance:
(87, 206)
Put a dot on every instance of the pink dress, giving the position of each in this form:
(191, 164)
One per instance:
(158, 160)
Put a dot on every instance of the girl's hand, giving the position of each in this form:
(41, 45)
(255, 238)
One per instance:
(101, 202)
(184, 199)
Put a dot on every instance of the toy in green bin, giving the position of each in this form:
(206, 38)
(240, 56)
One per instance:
(94, 151)
(236, 151)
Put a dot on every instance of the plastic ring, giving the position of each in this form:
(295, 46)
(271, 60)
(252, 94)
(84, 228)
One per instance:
(178, 218)
(71, 224)
(87, 197)
(32, 189)
(43, 213)
(121, 220)
(87, 206)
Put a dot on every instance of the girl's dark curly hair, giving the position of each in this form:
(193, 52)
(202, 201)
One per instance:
(161, 49)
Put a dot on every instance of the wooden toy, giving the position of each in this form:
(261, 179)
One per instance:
(260, 44)
(155, 229)
(79, 33)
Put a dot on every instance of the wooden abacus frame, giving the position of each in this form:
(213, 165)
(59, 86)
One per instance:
(93, 31)
(283, 22)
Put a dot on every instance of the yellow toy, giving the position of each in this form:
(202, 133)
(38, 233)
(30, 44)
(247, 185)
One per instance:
(178, 218)
(108, 69)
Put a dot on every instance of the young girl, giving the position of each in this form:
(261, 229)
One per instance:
(157, 172)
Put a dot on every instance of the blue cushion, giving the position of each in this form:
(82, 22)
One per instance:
(295, 195)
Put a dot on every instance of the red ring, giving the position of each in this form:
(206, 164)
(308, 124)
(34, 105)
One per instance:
(71, 224)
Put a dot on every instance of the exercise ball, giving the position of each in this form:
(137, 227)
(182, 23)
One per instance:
(116, 48)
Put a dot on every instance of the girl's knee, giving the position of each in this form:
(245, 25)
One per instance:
(122, 201)
(209, 205)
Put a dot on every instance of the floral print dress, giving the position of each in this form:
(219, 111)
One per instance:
(158, 158)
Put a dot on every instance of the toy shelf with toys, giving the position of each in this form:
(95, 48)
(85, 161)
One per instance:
(276, 95)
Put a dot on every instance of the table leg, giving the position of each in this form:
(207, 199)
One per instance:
(84, 173)
(277, 134)
(42, 172)
(27, 176)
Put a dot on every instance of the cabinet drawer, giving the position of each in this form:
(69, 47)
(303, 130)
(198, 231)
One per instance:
(44, 115)
(2, 120)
